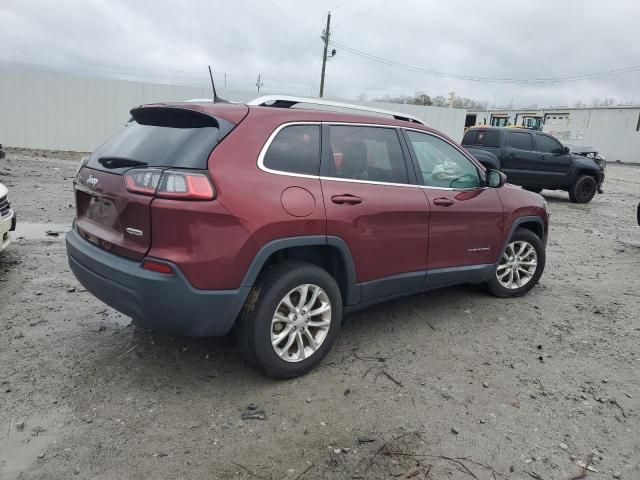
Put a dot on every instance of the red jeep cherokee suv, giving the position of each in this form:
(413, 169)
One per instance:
(199, 217)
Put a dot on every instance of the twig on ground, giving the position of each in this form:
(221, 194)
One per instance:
(370, 358)
(585, 469)
(613, 401)
(534, 475)
(373, 458)
(253, 474)
(390, 377)
(465, 469)
(304, 472)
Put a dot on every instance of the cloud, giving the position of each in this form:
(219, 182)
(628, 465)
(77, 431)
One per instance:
(168, 41)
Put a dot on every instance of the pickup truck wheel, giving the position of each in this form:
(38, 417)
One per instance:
(291, 319)
(583, 189)
(520, 266)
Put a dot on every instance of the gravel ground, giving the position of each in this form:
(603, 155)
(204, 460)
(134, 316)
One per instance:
(451, 384)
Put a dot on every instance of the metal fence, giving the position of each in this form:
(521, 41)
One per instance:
(57, 111)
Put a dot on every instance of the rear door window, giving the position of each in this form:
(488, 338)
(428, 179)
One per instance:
(488, 138)
(366, 153)
(520, 140)
(470, 137)
(295, 149)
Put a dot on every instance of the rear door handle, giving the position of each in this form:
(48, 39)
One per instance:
(346, 199)
(443, 202)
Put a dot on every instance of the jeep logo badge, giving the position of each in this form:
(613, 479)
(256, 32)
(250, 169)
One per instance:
(92, 181)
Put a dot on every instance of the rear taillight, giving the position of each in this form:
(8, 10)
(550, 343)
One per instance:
(187, 185)
(142, 180)
(176, 184)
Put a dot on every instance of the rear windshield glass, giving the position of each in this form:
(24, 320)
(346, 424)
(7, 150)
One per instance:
(179, 138)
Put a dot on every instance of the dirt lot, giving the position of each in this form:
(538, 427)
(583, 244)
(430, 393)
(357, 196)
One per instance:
(452, 384)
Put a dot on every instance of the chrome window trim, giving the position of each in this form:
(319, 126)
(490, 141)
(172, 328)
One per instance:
(267, 144)
(369, 182)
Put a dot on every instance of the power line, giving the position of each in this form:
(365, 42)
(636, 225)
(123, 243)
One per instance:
(473, 78)
(361, 13)
(338, 5)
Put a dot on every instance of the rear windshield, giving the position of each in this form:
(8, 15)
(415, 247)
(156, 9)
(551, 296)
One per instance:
(160, 137)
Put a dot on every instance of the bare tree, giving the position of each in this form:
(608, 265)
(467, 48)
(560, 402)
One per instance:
(422, 98)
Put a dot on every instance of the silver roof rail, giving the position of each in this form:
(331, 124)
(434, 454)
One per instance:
(285, 101)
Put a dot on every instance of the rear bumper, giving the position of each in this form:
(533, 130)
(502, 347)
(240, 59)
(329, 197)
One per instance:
(166, 303)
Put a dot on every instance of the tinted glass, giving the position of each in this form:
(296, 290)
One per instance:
(547, 144)
(296, 149)
(366, 153)
(487, 138)
(441, 164)
(470, 137)
(156, 146)
(520, 140)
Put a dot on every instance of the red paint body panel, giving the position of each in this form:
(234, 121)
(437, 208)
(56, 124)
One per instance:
(106, 209)
(518, 203)
(474, 220)
(207, 242)
(387, 233)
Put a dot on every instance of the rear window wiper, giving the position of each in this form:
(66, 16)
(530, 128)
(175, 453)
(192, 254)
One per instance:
(120, 162)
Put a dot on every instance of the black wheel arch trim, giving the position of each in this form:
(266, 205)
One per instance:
(516, 224)
(352, 294)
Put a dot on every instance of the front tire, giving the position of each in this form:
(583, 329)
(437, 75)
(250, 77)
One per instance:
(520, 266)
(291, 319)
(583, 189)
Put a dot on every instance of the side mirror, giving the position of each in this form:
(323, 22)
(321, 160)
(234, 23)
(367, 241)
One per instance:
(495, 179)
(565, 150)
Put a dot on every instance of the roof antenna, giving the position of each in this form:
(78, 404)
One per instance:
(216, 98)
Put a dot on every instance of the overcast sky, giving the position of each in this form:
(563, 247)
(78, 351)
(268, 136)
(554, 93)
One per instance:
(173, 41)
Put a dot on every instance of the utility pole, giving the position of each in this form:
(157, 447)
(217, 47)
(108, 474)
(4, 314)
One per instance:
(325, 39)
(259, 83)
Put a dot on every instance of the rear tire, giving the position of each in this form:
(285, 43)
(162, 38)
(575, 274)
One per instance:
(583, 189)
(514, 275)
(307, 337)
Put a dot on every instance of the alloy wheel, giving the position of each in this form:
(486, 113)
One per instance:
(518, 265)
(301, 323)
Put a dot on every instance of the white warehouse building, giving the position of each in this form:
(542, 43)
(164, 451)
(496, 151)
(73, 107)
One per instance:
(613, 131)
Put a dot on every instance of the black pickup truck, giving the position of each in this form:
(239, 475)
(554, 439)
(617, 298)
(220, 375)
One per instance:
(537, 161)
